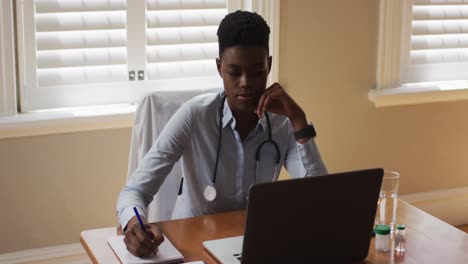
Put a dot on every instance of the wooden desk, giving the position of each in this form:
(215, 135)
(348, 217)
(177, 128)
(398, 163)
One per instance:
(429, 240)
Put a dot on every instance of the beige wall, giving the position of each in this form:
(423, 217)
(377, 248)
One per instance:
(55, 186)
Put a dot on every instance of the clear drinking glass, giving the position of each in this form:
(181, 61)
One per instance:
(387, 204)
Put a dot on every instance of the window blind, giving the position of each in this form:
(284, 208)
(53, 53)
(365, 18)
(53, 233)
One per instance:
(93, 52)
(438, 42)
(181, 38)
(80, 42)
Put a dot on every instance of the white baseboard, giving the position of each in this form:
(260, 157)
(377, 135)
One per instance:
(44, 254)
(450, 205)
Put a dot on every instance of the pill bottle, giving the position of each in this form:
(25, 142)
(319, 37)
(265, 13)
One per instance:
(382, 238)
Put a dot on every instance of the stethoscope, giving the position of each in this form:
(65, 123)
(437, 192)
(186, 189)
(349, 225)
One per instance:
(210, 190)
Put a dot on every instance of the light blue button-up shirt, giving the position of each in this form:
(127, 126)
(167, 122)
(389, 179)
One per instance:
(192, 136)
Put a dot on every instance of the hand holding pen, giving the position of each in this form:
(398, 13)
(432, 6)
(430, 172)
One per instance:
(142, 239)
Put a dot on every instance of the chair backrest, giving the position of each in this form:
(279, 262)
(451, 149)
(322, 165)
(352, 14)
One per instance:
(151, 115)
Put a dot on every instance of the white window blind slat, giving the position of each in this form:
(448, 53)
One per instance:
(439, 12)
(449, 41)
(186, 52)
(434, 27)
(57, 6)
(80, 39)
(436, 72)
(184, 18)
(185, 4)
(100, 20)
(167, 36)
(82, 75)
(81, 57)
(181, 69)
(439, 56)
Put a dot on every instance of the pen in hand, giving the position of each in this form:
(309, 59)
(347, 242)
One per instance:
(143, 226)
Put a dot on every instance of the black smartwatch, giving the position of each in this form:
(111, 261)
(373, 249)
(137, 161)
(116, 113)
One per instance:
(308, 131)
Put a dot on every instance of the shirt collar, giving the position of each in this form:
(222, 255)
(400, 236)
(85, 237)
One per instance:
(227, 115)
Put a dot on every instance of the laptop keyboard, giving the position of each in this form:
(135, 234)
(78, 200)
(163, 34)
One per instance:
(238, 257)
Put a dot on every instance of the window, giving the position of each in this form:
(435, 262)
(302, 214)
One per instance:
(96, 53)
(423, 52)
(92, 52)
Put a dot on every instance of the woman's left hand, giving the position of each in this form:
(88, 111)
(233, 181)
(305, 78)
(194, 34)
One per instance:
(276, 100)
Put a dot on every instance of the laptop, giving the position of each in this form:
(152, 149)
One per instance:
(323, 219)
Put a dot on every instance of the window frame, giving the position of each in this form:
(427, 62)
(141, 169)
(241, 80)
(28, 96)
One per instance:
(34, 97)
(8, 105)
(14, 123)
(394, 42)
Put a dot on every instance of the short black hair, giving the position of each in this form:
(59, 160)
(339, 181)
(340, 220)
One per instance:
(243, 28)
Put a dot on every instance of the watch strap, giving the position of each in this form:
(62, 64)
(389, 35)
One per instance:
(308, 131)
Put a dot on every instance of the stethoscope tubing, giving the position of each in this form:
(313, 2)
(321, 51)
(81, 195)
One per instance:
(210, 191)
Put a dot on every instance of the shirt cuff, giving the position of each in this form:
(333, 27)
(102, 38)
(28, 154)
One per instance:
(311, 159)
(128, 213)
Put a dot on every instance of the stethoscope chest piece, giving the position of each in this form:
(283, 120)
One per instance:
(209, 193)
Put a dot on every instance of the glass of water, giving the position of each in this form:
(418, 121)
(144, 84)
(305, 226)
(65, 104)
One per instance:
(388, 199)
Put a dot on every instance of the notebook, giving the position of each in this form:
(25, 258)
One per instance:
(167, 253)
(323, 219)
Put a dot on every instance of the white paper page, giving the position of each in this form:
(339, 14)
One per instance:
(167, 253)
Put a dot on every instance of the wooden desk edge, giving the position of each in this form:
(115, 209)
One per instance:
(87, 249)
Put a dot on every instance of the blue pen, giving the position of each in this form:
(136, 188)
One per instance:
(142, 225)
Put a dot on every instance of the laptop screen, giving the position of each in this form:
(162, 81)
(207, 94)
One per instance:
(326, 218)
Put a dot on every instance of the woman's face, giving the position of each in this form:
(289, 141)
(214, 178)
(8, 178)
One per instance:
(244, 71)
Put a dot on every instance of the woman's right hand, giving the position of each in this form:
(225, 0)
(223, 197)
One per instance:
(138, 242)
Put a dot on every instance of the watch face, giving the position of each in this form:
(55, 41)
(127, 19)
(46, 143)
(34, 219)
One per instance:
(210, 193)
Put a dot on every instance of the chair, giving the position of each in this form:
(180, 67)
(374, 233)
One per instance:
(151, 115)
